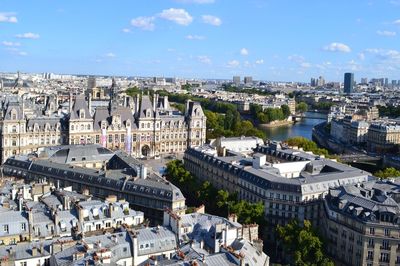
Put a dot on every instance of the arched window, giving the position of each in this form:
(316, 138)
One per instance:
(82, 113)
(82, 127)
(88, 127)
(14, 129)
(198, 124)
(72, 127)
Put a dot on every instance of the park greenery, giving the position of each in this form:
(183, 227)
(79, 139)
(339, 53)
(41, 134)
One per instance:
(308, 145)
(389, 111)
(133, 91)
(231, 88)
(223, 119)
(301, 107)
(389, 172)
(301, 245)
(322, 106)
(269, 114)
(217, 202)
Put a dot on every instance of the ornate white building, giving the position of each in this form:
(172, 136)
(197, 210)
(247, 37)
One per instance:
(143, 126)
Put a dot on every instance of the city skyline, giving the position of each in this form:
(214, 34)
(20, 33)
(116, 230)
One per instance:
(269, 40)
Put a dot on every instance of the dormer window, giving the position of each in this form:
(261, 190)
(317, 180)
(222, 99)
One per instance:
(128, 123)
(13, 114)
(148, 113)
(116, 120)
(81, 113)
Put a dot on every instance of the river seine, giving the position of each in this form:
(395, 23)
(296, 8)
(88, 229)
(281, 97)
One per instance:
(301, 128)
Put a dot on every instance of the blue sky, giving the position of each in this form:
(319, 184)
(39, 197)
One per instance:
(286, 40)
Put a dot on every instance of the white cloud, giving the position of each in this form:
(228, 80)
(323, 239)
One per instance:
(212, 20)
(179, 16)
(396, 22)
(361, 56)
(305, 65)
(204, 59)
(195, 37)
(337, 47)
(385, 54)
(260, 61)
(28, 35)
(143, 23)
(296, 58)
(244, 51)
(23, 53)
(196, 1)
(233, 63)
(126, 30)
(8, 17)
(386, 33)
(110, 55)
(10, 44)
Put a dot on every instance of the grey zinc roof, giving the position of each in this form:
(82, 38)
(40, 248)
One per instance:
(269, 176)
(154, 240)
(13, 219)
(80, 103)
(23, 251)
(77, 153)
(42, 121)
(368, 198)
(144, 106)
(119, 244)
(13, 106)
(104, 114)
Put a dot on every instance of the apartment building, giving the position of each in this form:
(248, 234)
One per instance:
(361, 223)
(290, 183)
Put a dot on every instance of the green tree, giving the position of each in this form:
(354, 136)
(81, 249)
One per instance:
(186, 87)
(308, 145)
(286, 110)
(301, 245)
(301, 107)
(133, 91)
(388, 173)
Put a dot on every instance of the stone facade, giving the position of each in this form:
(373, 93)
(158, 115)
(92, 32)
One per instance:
(143, 127)
(361, 224)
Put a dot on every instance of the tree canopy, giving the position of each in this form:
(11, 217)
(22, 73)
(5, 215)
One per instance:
(388, 173)
(302, 245)
(218, 202)
(269, 114)
(307, 145)
(301, 107)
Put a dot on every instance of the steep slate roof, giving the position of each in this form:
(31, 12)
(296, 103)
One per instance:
(144, 106)
(80, 103)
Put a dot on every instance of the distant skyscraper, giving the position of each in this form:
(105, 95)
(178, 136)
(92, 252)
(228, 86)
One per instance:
(248, 80)
(348, 82)
(313, 83)
(321, 81)
(364, 81)
(394, 83)
(236, 80)
(386, 82)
